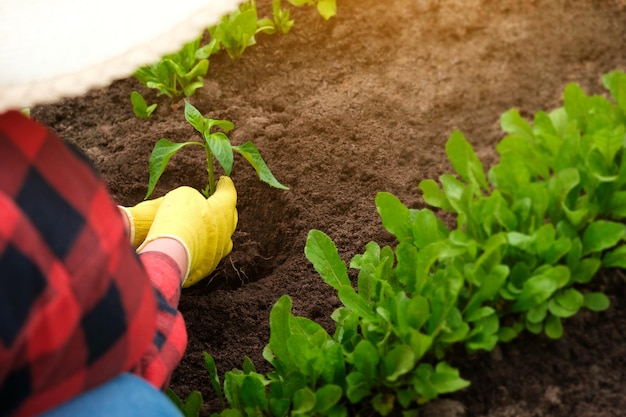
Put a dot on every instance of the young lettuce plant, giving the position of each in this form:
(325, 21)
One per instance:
(236, 31)
(140, 106)
(216, 145)
(180, 73)
(530, 234)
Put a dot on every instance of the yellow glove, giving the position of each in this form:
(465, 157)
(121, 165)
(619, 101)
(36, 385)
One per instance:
(204, 227)
(140, 219)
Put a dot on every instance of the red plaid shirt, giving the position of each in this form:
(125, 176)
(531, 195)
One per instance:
(77, 305)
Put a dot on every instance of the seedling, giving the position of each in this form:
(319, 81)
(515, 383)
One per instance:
(530, 233)
(326, 8)
(280, 21)
(140, 106)
(179, 73)
(236, 31)
(216, 145)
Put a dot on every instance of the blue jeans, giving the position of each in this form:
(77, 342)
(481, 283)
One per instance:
(124, 396)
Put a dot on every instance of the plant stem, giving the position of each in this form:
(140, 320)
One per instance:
(209, 165)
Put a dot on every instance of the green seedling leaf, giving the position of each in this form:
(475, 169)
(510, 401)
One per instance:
(601, 235)
(303, 401)
(195, 118)
(512, 123)
(140, 106)
(209, 364)
(327, 8)
(222, 150)
(322, 253)
(395, 215)
(615, 258)
(358, 387)
(554, 327)
(615, 82)
(279, 330)
(399, 361)
(252, 155)
(465, 161)
(161, 154)
(596, 301)
(253, 393)
(326, 398)
(433, 195)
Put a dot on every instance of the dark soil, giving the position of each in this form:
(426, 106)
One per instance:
(345, 108)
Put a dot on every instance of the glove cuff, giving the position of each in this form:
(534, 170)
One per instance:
(131, 224)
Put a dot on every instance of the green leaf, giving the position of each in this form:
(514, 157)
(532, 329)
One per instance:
(279, 330)
(303, 401)
(553, 328)
(446, 379)
(433, 195)
(221, 148)
(252, 155)
(358, 386)
(596, 301)
(539, 288)
(366, 359)
(355, 302)
(327, 8)
(394, 215)
(192, 405)
(608, 143)
(615, 258)
(140, 107)
(615, 82)
(209, 364)
(575, 103)
(253, 393)
(161, 154)
(322, 253)
(465, 161)
(195, 118)
(601, 235)
(399, 361)
(326, 398)
(512, 123)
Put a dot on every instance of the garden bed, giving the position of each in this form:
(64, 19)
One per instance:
(345, 108)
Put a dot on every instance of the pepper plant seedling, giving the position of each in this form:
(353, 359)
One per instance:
(216, 145)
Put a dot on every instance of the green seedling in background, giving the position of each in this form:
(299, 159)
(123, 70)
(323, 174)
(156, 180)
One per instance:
(236, 31)
(190, 407)
(326, 8)
(280, 20)
(216, 145)
(140, 106)
(178, 74)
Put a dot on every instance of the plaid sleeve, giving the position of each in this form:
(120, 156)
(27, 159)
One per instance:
(170, 338)
(76, 305)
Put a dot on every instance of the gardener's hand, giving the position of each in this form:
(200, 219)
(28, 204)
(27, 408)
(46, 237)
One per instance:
(140, 218)
(204, 227)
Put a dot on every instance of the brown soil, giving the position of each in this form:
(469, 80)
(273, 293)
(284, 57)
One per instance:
(341, 110)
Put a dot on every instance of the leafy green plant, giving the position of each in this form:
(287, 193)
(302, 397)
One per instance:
(179, 73)
(530, 233)
(216, 145)
(326, 8)
(140, 106)
(280, 21)
(236, 31)
(191, 406)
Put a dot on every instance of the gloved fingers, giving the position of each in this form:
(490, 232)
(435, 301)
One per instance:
(222, 212)
(140, 218)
